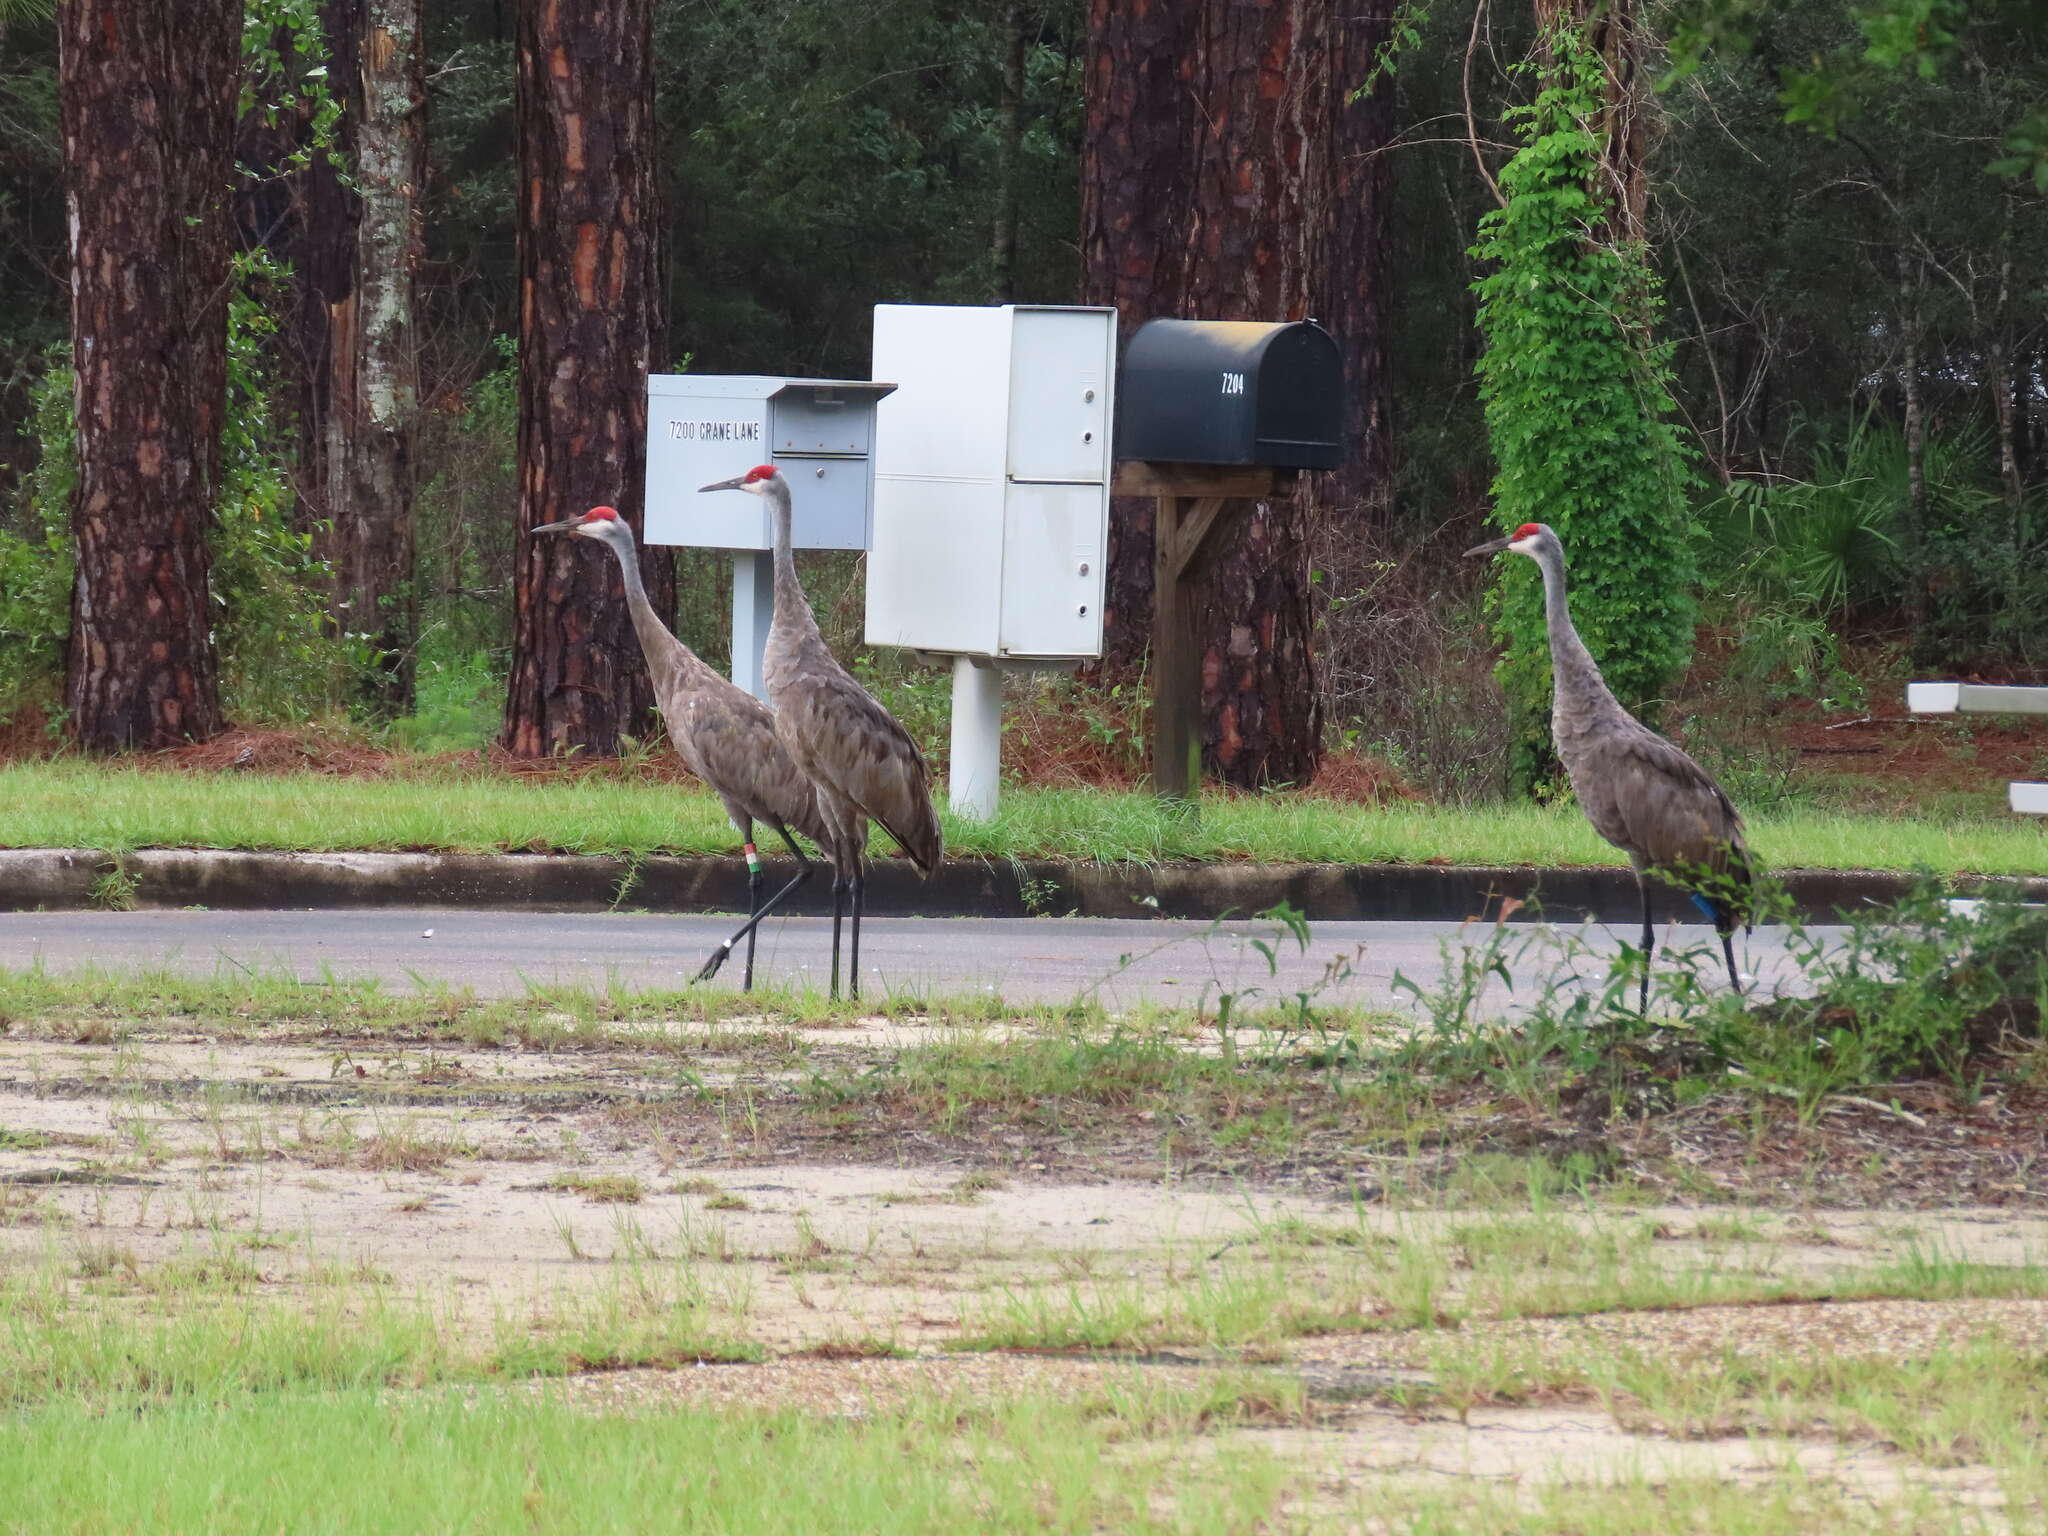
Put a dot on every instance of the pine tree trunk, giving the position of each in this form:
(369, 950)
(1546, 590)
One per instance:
(1135, 188)
(1208, 185)
(1349, 511)
(148, 111)
(373, 406)
(587, 298)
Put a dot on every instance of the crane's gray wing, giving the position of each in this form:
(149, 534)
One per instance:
(846, 739)
(728, 738)
(1646, 796)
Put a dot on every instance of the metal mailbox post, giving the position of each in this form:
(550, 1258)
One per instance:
(819, 432)
(992, 468)
(1213, 415)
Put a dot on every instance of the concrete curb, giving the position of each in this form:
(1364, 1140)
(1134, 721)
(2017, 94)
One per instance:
(69, 879)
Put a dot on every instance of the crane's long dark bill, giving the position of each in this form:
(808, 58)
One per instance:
(725, 485)
(1493, 548)
(562, 527)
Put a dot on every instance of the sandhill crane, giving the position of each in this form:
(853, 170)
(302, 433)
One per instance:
(1641, 793)
(723, 734)
(863, 762)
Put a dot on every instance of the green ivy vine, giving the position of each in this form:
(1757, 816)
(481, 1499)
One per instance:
(1577, 392)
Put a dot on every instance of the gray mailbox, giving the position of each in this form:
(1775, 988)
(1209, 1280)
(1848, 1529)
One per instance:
(1231, 392)
(703, 427)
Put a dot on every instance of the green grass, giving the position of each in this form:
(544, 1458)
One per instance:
(73, 804)
(362, 1461)
(208, 1326)
(1500, 1267)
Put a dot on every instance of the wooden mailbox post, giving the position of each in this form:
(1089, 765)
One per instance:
(1198, 507)
(1213, 415)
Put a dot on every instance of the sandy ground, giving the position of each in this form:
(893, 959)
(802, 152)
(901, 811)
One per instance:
(469, 1175)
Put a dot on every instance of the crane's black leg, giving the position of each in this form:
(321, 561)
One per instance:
(838, 908)
(860, 886)
(1649, 944)
(1728, 950)
(805, 868)
(753, 906)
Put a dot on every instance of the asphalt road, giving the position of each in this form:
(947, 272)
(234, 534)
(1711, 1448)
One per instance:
(1025, 959)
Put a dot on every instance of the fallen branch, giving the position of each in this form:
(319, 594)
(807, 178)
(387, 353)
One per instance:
(1836, 1100)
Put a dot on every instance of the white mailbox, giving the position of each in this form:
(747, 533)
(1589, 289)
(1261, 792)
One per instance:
(819, 432)
(992, 474)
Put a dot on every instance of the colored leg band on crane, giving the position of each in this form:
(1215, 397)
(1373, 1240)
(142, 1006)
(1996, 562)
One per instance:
(753, 860)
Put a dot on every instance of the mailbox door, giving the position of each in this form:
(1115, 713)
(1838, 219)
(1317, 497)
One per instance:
(935, 572)
(801, 423)
(828, 503)
(1059, 395)
(1053, 542)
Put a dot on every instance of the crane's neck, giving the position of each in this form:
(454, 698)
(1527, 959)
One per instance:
(656, 640)
(792, 609)
(1574, 674)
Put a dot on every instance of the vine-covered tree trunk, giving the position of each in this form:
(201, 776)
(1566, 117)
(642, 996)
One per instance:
(372, 413)
(1612, 32)
(1579, 417)
(1209, 181)
(587, 318)
(148, 112)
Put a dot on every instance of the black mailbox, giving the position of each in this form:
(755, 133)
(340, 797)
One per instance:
(1231, 392)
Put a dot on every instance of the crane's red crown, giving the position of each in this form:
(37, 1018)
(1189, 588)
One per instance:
(601, 515)
(760, 472)
(1528, 530)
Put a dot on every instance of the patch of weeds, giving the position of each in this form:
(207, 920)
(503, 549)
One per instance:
(861, 1346)
(220, 1270)
(725, 1200)
(406, 1149)
(647, 1317)
(22, 1141)
(113, 890)
(1728, 1228)
(696, 1187)
(1221, 1305)
(601, 1188)
(101, 1258)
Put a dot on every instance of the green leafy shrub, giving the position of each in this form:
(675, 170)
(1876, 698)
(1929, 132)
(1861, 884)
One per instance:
(1920, 988)
(1578, 408)
(35, 558)
(280, 661)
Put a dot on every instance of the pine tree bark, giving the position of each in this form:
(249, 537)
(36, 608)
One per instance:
(1356, 498)
(1210, 183)
(372, 415)
(147, 101)
(588, 297)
